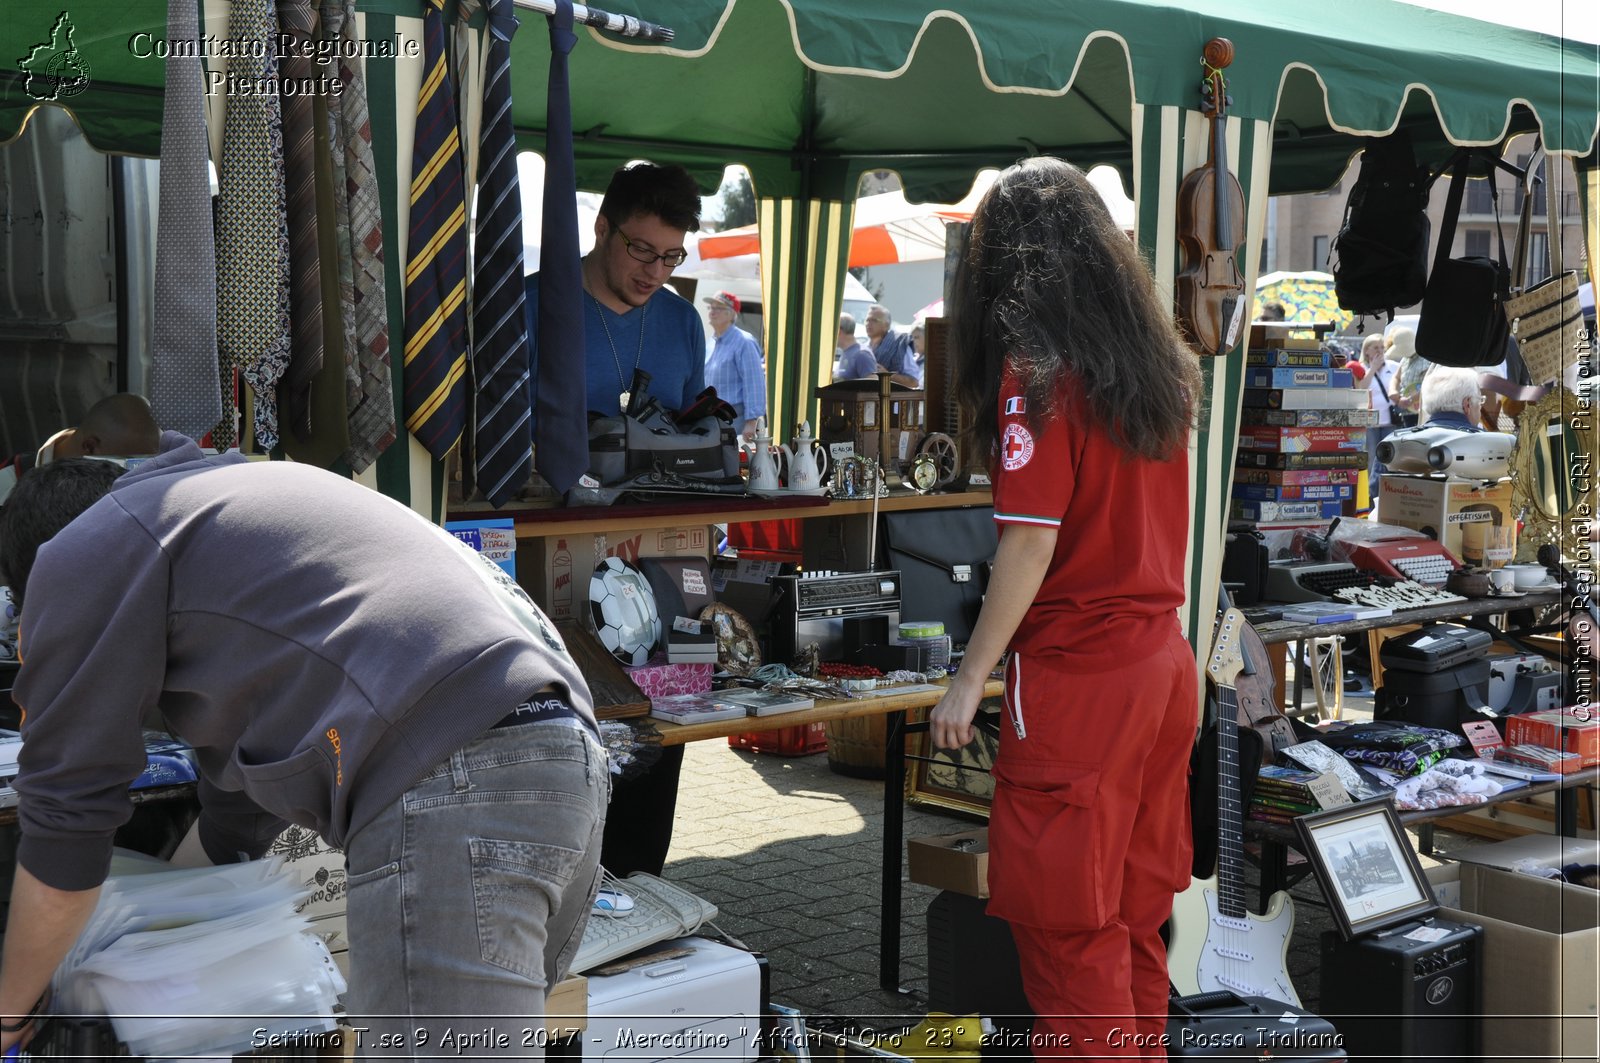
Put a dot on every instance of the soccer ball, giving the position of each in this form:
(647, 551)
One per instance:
(623, 609)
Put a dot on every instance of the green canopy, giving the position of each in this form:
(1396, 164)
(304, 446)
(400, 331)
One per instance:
(798, 89)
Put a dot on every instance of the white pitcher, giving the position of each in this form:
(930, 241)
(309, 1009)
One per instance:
(808, 461)
(763, 461)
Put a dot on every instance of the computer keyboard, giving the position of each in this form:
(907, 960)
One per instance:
(661, 912)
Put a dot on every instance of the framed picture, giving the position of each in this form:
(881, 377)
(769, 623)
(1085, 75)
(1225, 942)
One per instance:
(957, 780)
(1368, 870)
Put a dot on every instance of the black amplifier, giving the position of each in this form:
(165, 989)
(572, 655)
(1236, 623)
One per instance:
(1223, 1025)
(1408, 992)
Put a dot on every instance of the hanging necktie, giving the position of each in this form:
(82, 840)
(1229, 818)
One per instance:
(252, 231)
(436, 273)
(299, 19)
(369, 399)
(560, 434)
(500, 327)
(185, 387)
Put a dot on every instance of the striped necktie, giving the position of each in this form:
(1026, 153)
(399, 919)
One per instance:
(252, 232)
(299, 19)
(369, 398)
(500, 327)
(436, 274)
(561, 439)
(185, 387)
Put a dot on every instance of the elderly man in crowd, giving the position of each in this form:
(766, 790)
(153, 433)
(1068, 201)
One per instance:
(891, 349)
(853, 361)
(734, 367)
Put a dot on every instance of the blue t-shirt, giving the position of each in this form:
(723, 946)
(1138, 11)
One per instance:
(853, 363)
(673, 352)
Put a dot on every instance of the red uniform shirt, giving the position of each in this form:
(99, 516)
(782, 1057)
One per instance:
(1117, 577)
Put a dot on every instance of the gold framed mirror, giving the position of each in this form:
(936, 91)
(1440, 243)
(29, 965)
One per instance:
(1553, 471)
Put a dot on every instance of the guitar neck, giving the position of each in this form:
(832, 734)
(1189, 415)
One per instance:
(1230, 813)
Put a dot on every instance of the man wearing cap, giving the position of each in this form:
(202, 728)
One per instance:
(853, 361)
(734, 367)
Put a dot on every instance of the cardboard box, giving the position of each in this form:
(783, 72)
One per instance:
(555, 571)
(1541, 944)
(958, 862)
(1569, 730)
(1546, 850)
(1446, 510)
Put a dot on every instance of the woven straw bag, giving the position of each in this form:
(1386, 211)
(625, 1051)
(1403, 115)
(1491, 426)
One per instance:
(1546, 317)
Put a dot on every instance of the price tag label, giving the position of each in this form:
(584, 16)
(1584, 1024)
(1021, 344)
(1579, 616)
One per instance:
(1329, 791)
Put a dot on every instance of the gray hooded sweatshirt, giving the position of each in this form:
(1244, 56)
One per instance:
(321, 647)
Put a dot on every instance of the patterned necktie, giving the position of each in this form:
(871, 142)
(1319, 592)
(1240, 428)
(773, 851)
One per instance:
(299, 19)
(500, 327)
(436, 270)
(369, 399)
(561, 441)
(252, 231)
(185, 387)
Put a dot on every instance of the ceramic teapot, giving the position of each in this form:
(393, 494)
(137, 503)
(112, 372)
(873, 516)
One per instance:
(808, 461)
(763, 461)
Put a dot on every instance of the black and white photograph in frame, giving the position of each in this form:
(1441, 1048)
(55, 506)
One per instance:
(1366, 866)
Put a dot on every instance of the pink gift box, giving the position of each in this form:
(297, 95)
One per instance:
(664, 680)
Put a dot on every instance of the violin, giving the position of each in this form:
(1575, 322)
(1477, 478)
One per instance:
(1210, 289)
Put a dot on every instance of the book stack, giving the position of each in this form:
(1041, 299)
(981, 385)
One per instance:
(1281, 794)
(766, 702)
(695, 708)
(690, 642)
(1302, 438)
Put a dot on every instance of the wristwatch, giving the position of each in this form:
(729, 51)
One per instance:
(924, 473)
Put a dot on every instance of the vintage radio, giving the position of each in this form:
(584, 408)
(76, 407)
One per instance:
(823, 607)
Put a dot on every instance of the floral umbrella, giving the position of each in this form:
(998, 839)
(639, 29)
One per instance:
(1307, 298)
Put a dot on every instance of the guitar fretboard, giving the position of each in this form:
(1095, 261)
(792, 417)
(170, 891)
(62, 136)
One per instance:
(1230, 814)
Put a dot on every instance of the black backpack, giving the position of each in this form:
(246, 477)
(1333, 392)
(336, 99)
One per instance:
(1379, 258)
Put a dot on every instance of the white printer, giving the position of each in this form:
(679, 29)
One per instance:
(706, 1003)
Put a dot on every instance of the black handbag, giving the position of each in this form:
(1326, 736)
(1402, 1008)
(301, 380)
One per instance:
(1464, 319)
(944, 558)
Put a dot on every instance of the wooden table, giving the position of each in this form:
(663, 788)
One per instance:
(673, 734)
(1277, 838)
(1285, 631)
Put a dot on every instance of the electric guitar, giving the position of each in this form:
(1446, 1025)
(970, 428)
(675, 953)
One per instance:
(1217, 942)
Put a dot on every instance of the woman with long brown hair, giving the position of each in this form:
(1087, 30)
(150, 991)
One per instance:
(1080, 386)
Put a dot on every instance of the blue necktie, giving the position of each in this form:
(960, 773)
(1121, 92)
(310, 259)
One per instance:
(436, 270)
(561, 434)
(500, 327)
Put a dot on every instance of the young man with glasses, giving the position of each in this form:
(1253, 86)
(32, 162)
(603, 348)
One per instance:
(631, 319)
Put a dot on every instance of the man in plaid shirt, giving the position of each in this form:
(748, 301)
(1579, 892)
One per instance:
(735, 368)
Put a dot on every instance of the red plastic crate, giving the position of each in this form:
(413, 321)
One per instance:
(797, 741)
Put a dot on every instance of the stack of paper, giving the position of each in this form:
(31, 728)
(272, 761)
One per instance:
(200, 961)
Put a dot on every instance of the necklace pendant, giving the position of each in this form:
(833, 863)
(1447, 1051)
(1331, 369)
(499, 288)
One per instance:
(625, 400)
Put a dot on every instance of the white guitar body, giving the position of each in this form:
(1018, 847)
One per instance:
(1211, 951)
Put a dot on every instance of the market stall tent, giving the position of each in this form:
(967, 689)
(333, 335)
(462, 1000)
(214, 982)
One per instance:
(809, 94)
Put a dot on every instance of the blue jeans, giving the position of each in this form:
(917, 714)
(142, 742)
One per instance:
(468, 896)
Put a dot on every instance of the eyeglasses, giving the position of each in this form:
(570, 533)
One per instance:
(673, 259)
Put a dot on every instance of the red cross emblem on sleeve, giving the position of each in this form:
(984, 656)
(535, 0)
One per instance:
(1016, 447)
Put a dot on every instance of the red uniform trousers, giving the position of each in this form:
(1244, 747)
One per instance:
(1089, 841)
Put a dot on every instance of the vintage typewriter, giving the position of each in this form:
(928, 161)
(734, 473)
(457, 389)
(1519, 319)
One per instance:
(1423, 561)
(1313, 581)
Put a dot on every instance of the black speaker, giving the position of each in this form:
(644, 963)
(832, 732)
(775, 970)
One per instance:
(1409, 992)
(972, 964)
